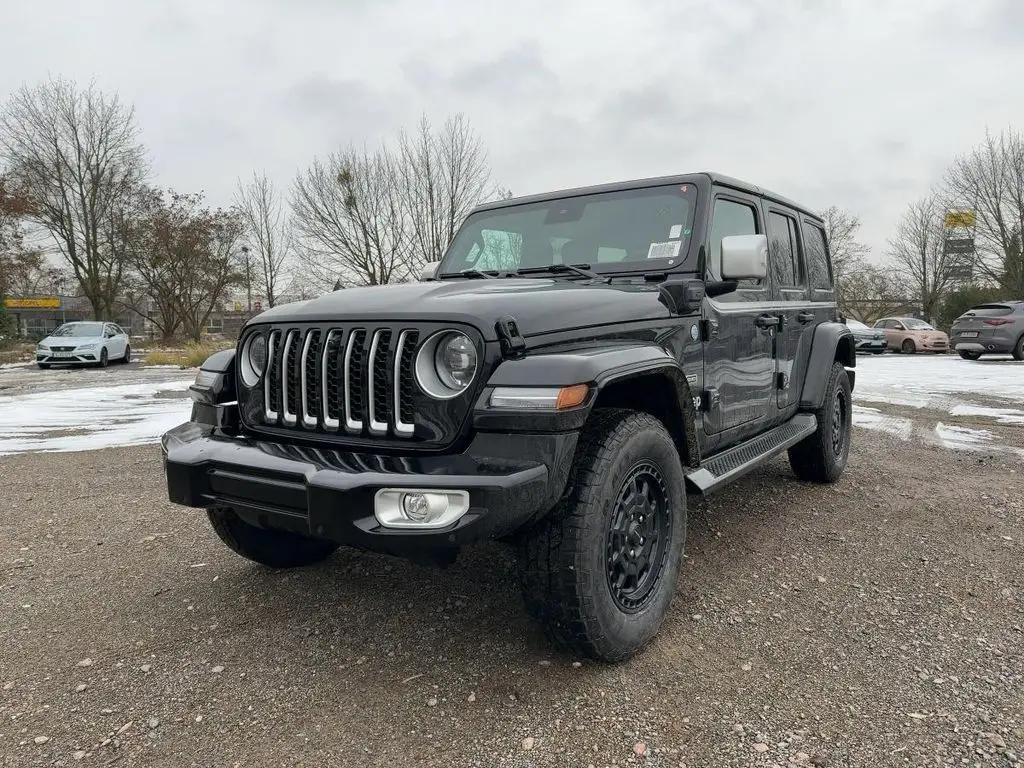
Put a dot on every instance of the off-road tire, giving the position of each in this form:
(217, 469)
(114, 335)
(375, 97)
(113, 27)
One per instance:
(274, 549)
(1018, 349)
(908, 347)
(968, 354)
(818, 458)
(565, 559)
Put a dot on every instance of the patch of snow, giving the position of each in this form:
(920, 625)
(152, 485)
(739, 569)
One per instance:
(963, 438)
(1001, 415)
(16, 365)
(935, 381)
(872, 418)
(97, 417)
(155, 367)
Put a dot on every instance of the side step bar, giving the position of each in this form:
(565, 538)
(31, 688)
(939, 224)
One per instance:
(721, 469)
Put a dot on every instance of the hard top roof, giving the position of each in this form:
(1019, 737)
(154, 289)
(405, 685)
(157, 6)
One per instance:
(685, 178)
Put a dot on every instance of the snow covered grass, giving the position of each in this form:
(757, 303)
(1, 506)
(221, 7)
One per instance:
(911, 397)
(919, 384)
(94, 417)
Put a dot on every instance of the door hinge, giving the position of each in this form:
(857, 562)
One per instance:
(708, 329)
(709, 400)
(512, 342)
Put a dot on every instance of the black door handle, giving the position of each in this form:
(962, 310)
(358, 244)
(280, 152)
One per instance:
(805, 317)
(767, 321)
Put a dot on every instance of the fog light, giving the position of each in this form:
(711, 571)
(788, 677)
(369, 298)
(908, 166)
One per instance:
(416, 507)
(419, 508)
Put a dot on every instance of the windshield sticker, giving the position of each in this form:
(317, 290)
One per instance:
(675, 231)
(669, 250)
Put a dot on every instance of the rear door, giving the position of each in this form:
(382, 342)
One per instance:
(790, 293)
(739, 365)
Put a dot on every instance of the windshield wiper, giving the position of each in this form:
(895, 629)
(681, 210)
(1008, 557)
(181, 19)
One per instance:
(468, 273)
(580, 269)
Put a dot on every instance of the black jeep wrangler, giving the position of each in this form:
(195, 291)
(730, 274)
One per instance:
(575, 365)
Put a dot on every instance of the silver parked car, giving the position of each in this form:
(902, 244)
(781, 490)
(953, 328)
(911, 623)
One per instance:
(866, 339)
(990, 329)
(84, 343)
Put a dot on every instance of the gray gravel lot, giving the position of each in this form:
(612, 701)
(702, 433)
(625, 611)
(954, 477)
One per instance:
(875, 623)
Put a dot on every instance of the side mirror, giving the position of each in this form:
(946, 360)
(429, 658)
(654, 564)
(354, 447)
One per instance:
(744, 257)
(429, 271)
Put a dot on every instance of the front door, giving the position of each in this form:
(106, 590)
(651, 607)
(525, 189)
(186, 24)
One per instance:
(739, 365)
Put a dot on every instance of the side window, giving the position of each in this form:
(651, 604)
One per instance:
(816, 248)
(729, 218)
(783, 251)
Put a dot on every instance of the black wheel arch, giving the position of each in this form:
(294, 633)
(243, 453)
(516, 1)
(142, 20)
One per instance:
(831, 342)
(640, 376)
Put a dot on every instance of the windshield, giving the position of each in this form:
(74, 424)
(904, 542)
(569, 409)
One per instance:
(857, 324)
(614, 231)
(79, 329)
(916, 325)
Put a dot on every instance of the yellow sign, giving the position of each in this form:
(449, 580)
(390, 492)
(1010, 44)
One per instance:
(40, 302)
(956, 219)
(238, 306)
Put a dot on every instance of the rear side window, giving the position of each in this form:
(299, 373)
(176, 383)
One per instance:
(818, 273)
(990, 310)
(783, 251)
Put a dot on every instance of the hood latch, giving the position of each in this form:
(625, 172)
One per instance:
(512, 342)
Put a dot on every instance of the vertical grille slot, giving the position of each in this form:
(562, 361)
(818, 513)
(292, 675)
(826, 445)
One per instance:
(331, 380)
(310, 384)
(355, 364)
(402, 386)
(378, 383)
(290, 378)
(271, 392)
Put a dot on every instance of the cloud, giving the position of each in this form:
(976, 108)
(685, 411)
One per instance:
(859, 103)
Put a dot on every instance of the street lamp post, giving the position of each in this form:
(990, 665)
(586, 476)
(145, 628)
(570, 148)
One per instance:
(248, 278)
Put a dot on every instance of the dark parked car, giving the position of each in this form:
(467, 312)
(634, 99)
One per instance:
(575, 364)
(990, 329)
(866, 339)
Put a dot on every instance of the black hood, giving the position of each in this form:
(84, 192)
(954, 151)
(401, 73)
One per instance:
(539, 305)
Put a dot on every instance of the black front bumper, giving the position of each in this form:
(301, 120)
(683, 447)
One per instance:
(329, 494)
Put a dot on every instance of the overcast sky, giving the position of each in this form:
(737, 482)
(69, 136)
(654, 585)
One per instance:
(858, 103)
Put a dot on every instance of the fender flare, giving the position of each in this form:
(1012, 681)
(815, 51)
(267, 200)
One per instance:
(602, 367)
(831, 342)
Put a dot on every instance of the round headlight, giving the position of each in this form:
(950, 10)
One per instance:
(455, 360)
(254, 359)
(446, 364)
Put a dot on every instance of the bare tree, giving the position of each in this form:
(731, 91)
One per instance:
(443, 176)
(989, 181)
(916, 253)
(871, 292)
(186, 255)
(372, 218)
(348, 212)
(267, 232)
(841, 230)
(75, 156)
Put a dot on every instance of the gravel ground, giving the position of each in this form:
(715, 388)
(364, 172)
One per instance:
(874, 623)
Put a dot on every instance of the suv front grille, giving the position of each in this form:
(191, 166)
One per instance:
(357, 381)
(353, 385)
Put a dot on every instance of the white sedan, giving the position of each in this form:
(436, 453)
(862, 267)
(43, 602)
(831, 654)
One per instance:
(84, 343)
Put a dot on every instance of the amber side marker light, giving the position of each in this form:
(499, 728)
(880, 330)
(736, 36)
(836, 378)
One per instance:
(539, 398)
